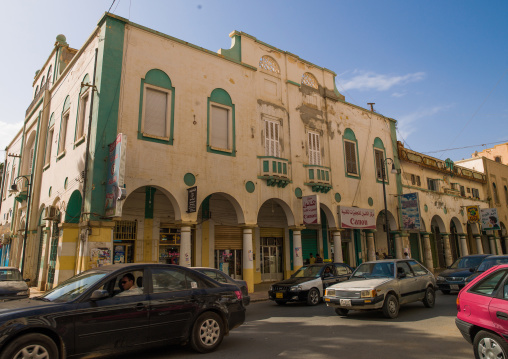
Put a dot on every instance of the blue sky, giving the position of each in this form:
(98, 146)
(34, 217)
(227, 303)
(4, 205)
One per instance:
(440, 68)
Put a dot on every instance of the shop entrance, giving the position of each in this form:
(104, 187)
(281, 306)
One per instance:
(124, 239)
(230, 262)
(169, 245)
(271, 259)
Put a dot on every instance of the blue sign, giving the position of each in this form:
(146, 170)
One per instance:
(410, 211)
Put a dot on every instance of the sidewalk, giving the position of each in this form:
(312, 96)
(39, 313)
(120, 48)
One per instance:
(260, 292)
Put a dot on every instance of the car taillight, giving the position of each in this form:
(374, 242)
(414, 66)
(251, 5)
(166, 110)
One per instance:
(238, 294)
(458, 304)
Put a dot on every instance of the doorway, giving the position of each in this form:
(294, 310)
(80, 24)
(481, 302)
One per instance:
(271, 259)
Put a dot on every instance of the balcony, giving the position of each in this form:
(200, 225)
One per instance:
(37, 97)
(275, 170)
(319, 178)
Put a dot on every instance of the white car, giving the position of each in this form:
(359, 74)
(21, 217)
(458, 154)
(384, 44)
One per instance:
(384, 284)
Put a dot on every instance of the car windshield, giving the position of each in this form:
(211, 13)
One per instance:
(491, 262)
(374, 270)
(73, 287)
(10, 275)
(466, 262)
(308, 272)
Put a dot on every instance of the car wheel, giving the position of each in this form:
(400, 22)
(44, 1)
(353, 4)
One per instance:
(391, 307)
(430, 298)
(489, 345)
(207, 333)
(31, 346)
(445, 291)
(280, 302)
(342, 312)
(313, 297)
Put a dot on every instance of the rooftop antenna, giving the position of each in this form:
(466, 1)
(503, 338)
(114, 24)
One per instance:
(371, 106)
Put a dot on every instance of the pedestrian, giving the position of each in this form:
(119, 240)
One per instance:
(406, 255)
(377, 256)
(385, 256)
(318, 258)
(312, 260)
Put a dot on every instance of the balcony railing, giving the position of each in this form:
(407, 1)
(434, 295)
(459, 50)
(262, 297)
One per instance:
(37, 97)
(275, 170)
(319, 178)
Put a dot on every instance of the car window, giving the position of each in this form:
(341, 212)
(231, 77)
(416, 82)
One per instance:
(74, 286)
(221, 278)
(126, 284)
(215, 276)
(172, 280)
(489, 285)
(417, 268)
(374, 270)
(405, 269)
(491, 262)
(342, 269)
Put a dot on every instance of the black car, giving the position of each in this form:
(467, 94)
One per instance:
(486, 264)
(12, 284)
(222, 277)
(308, 284)
(454, 277)
(121, 307)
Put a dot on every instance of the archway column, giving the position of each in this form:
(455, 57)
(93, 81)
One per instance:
(505, 239)
(479, 246)
(398, 244)
(463, 245)
(448, 251)
(492, 243)
(404, 239)
(429, 262)
(248, 258)
(371, 247)
(498, 245)
(337, 246)
(185, 246)
(297, 247)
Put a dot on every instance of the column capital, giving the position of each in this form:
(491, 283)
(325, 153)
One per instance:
(477, 235)
(297, 228)
(445, 233)
(336, 229)
(462, 234)
(370, 230)
(404, 234)
(249, 226)
(186, 224)
(425, 233)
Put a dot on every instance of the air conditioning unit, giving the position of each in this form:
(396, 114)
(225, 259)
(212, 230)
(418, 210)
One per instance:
(50, 213)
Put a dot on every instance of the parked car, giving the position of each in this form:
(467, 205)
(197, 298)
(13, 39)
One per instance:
(12, 284)
(222, 277)
(121, 307)
(486, 264)
(482, 313)
(454, 277)
(308, 283)
(383, 284)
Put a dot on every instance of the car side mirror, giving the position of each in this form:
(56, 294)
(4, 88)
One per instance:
(99, 294)
(472, 269)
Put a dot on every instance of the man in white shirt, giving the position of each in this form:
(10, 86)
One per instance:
(128, 286)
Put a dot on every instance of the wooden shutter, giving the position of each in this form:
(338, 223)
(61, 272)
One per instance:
(272, 138)
(31, 160)
(314, 149)
(63, 133)
(82, 116)
(351, 157)
(219, 134)
(155, 113)
(379, 164)
(271, 232)
(228, 237)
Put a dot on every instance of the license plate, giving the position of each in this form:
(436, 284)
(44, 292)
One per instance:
(454, 286)
(279, 295)
(345, 302)
(327, 299)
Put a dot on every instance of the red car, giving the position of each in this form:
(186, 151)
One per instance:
(482, 316)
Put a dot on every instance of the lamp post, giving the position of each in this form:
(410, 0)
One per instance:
(14, 188)
(387, 228)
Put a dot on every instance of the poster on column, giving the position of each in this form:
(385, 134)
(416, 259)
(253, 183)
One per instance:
(490, 219)
(357, 218)
(473, 214)
(410, 211)
(115, 176)
(311, 209)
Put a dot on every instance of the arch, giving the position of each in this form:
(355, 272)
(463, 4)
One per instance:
(438, 222)
(474, 228)
(159, 78)
(51, 120)
(43, 81)
(139, 194)
(86, 80)
(206, 207)
(456, 222)
(310, 80)
(50, 73)
(378, 143)
(423, 226)
(36, 91)
(73, 210)
(221, 96)
(268, 63)
(351, 154)
(40, 215)
(330, 218)
(29, 153)
(503, 231)
(67, 104)
(280, 206)
(349, 135)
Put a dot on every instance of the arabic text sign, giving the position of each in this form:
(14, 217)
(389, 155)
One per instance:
(490, 220)
(358, 218)
(410, 211)
(310, 209)
(473, 214)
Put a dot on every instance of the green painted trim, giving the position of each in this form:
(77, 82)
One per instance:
(66, 106)
(338, 198)
(374, 149)
(275, 158)
(378, 143)
(66, 181)
(298, 192)
(45, 167)
(235, 52)
(326, 168)
(293, 83)
(370, 201)
(189, 179)
(222, 97)
(49, 191)
(250, 187)
(73, 211)
(81, 92)
(60, 156)
(149, 201)
(349, 135)
(80, 141)
(51, 120)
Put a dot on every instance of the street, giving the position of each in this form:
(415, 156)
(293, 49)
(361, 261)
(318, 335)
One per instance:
(299, 331)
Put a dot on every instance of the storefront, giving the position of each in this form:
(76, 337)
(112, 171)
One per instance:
(271, 256)
(124, 242)
(355, 221)
(309, 244)
(228, 250)
(169, 245)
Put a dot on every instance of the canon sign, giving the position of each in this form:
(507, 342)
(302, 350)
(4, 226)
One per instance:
(357, 218)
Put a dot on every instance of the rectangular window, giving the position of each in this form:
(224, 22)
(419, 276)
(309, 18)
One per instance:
(156, 113)
(418, 181)
(462, 191)
(6, 184)
(83, 109)
(468, 190)
(220, 128)
(49, 145)
(379, 164)
(433, 184)
(63, 133)
(475, 193)
(272, 146)
(314, 148)
(413, 180)
(351, 165)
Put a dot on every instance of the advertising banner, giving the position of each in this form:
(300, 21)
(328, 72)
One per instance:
(115, 177)
(473, 214)
(490, 220)
(192, 194)
(410, 211)
(358, 218)
(311, 209)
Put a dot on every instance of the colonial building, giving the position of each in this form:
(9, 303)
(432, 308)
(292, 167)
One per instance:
(498, 153)
(140, 147)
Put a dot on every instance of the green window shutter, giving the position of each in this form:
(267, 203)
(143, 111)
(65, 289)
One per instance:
(266, 166)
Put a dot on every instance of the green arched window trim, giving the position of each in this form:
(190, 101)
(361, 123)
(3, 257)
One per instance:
(157, 78)
(221, 97)
(66, 107)
(379, 146)
(349, 135)
(84, 89)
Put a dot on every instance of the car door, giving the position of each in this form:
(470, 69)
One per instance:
(498, 309)
(328, 280)
(408, 283)
(117, 321)
(343, 272)
(421, 276)
(173, 303)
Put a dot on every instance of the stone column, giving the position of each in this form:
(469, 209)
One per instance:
(463, 244)
(248, 261)
(337, 247)
(404, 240)
(429, 262)
(479, 246)
(398, 244)
(498, 245)
(185, 246)
(447, 248)
(297, 249)
(492, 243)
(371, 247)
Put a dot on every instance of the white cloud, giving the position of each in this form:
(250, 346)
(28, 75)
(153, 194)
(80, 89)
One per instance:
(373, 81)
(405, 124)
(7, 133)
(398, 94)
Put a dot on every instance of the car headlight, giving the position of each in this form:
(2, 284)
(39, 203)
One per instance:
(368, 293)
(440, 278)
(23, 292)
(296, 288)
(330, 292)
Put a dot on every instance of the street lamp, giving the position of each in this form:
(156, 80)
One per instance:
(387, 228)
(14, 188)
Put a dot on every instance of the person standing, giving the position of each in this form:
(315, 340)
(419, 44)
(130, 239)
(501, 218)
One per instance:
(312, 260)
(318, 258)
(406, 256)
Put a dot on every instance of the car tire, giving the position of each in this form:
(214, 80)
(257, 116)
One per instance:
(391, 306)
(445, 291)
(489, 345)
(313, 297)
(430, 298)
(207, 332)
(280, 302)
(35, 345)
(342, 312)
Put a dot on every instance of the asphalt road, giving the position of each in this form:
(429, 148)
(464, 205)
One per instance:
(299, 331)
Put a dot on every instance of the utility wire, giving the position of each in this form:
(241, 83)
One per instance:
(113, 3)
(460, 148)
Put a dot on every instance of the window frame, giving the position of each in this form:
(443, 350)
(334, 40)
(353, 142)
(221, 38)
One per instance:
(350, 137)
(483, 280)
(169, 106)
(277, 148)
(315, 134)
(230, 129)
(64, 126)
(355, 156)
(221, 98)
(81, 117)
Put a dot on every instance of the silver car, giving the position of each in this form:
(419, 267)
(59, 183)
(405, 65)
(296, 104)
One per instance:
(384, 284)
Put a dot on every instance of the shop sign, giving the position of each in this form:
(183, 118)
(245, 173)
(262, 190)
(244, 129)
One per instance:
(311, 209)
(410, 211)
(192, 194)
(490, 220)
(357, 218)
(115, 177)
(473, 214)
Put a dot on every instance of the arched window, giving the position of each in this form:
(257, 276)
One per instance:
(50, 73)
(83, 109)
(379, 158)
(221, 123)
(497, 159)
(494, 192)
(64, 124)
(269, 64)
(308, 79)
(43, 81)
(351, 154)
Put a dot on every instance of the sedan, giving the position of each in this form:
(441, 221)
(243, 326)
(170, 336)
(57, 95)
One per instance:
(384, 284)
(222, 277)
(454, 277)
(486, 264)
(12, 284)
(120, 308)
